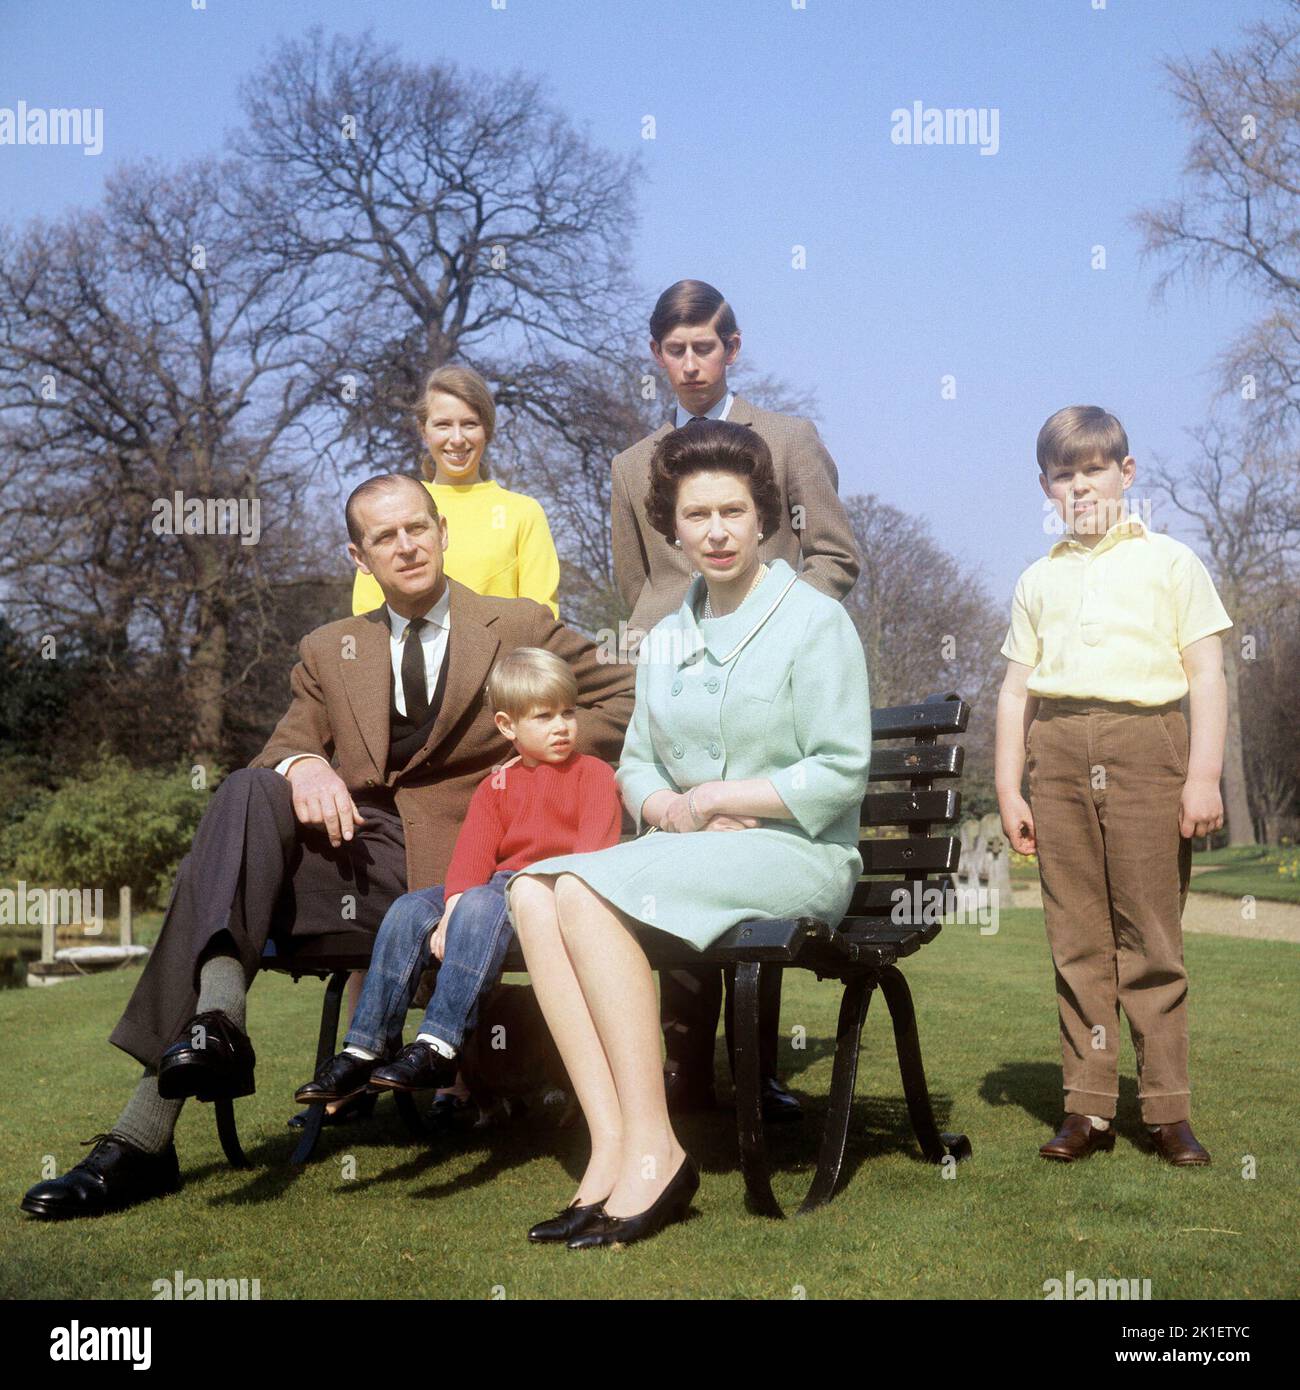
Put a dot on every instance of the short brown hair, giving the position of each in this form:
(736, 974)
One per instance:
(381, 482)
(691, 302)
(466, 385)
(1078, 434)
(529, 678)
(704, 445)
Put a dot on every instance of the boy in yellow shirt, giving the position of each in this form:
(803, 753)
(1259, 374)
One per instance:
(1109, 631)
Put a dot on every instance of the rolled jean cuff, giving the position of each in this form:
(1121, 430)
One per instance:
(1166, 1109)
(1091, 1103)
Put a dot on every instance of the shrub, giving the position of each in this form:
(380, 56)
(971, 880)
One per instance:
(112, 825)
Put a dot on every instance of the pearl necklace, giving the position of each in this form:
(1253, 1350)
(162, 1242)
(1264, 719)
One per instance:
(758, 579)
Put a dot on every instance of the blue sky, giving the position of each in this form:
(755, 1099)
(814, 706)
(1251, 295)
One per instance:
(773, 130)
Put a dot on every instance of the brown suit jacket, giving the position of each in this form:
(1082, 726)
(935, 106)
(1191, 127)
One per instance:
(341, 691)
(652, 574)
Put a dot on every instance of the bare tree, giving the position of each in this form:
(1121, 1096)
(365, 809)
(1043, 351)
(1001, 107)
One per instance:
(926, 626)
(1239, 504)
(1240, 216)
(475, 223)
(159, 371)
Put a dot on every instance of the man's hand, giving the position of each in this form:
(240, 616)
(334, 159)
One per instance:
(1018, 824)
(1200, 810)
(321, 797)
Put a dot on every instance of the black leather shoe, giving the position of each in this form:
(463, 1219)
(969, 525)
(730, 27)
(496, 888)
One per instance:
(671, 1205)
(451, 1114)
(417, 1067)
(113, 1175)
(340, 1078)
(566, 1224)
(687, 1094)
(779, 1106)
(211, 1060)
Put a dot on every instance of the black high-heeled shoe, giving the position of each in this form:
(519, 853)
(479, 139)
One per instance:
(566, 1224)
(671, 1205)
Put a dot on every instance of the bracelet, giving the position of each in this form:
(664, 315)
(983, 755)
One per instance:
(690, 805)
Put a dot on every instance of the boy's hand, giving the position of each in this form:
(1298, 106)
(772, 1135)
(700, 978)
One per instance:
(1201, 809)
(732, 823)
(438, 941)
(1018, 824)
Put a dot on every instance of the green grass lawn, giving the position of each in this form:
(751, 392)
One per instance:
(1257, 880)
(380, 1216)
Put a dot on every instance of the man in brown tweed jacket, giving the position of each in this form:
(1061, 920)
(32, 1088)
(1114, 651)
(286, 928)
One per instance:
(694, 338)
(356, 798)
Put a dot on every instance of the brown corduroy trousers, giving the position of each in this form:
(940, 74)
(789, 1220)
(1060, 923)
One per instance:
(1105, 782)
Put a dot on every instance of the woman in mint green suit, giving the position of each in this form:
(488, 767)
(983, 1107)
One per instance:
(747, 759)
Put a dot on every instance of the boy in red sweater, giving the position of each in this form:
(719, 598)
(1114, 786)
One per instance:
(548, 800)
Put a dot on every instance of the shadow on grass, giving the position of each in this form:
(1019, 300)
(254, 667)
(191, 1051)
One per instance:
(1036, 1088)
(879, 1126)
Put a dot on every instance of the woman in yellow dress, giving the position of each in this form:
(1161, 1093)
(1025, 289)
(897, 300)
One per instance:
(499, 542)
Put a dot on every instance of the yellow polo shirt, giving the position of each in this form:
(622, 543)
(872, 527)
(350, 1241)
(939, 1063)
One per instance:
(498, 543)
(1111, 623)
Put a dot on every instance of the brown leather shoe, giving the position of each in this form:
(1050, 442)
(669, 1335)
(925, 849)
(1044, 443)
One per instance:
(1177, 1144)
(1078, 1139)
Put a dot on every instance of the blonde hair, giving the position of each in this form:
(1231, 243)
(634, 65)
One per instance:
(1078, 434)
(467, 386)
(529, 678)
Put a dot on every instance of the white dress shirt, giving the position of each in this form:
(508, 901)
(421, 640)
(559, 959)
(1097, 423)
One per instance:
(433, 639)
(719, 410)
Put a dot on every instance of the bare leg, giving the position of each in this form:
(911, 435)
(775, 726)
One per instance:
(618, 986)
(567, 1016)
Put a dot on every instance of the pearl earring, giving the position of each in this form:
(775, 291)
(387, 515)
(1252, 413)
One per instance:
(678, 544)
(760, 535)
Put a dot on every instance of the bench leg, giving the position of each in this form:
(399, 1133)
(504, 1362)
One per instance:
(749, 1104)
(848, 1036)
(935, 1146)
(410, 1112)
(325, 1048)
(229, 1135)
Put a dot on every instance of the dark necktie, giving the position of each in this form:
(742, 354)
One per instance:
(414, 685)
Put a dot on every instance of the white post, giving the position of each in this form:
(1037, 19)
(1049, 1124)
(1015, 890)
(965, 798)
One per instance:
(124, 913)
(47, 928)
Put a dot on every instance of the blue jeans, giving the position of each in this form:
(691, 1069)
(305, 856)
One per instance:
(477, 941)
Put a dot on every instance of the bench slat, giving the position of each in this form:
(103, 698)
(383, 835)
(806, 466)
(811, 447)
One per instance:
(903, 764)
(916, 721)
(936, 854)
(909, 808)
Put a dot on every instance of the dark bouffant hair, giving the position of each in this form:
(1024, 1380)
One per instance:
(711, 445)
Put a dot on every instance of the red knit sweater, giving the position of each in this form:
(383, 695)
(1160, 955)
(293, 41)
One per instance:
(519, 815)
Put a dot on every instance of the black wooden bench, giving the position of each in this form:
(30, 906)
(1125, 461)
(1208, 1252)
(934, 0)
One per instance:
(862, 953)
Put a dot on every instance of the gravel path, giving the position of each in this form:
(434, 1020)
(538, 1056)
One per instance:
(1214, 913)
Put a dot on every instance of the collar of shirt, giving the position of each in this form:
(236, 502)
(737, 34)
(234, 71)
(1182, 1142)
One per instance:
(719, 410)
(1129, 525)
(439, 614)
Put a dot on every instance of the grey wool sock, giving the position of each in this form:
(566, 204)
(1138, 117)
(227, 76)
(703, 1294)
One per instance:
(222, 986)
(148, 1120)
